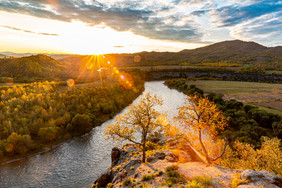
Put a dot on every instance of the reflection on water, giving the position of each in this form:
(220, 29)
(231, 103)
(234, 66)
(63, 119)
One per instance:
(79, 162)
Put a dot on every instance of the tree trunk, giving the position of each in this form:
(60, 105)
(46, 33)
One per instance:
(144, 151)
(204, 149)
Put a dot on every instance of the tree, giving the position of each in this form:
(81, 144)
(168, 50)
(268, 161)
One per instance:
(141, 118)
(79, 124)
(201, 115)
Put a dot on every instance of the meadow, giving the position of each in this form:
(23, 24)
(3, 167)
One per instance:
(262, 94)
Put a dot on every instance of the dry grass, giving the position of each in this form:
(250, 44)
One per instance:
(264, 93)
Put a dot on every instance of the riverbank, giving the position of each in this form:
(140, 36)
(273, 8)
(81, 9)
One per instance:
(49, 128)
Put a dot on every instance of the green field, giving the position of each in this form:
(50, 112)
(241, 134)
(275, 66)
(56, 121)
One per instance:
(247, 92)
(270, 110)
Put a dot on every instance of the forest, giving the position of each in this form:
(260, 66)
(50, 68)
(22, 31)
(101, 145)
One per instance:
(38, 114)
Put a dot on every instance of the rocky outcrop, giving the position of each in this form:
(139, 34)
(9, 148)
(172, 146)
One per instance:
(128, 171)
(115, 154)
(263, 178)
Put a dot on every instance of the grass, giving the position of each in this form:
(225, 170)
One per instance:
(235, 87)
(271, 110)
(273, 71)
(242, 91)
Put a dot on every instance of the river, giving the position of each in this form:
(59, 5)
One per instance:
(78, 162)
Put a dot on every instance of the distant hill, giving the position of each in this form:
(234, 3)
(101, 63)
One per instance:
(235, 51)
(31, 66)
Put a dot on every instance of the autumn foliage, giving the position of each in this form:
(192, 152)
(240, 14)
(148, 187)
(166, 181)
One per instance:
(201, 116)
(141, 119)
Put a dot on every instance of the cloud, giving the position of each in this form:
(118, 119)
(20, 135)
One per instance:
(146, 18)
(28, 31)
(265, 29)
(199, 12)
(235, 14)
(119, 46)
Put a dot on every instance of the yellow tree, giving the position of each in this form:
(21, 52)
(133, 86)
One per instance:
(139, 121)
(202, 116)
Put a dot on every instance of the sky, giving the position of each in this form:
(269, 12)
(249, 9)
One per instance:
(128, 26)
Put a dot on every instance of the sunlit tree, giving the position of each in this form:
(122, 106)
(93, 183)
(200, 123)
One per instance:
(202, 116)
(140, 119)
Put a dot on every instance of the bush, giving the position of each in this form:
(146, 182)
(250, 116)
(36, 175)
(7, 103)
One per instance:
(159, 173)
(193, 184)
(148, 177)
(110, 185)
(205, 181)
(126, 182)
(173, 176)
(245, 156)
(171, 168)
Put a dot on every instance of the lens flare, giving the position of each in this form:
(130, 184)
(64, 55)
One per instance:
(90, 66)
(137, 58)
(126, 81)
(70, 83)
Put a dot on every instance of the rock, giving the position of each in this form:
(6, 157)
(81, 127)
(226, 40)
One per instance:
(115, 154)
(132, 163)
(251, 175)
(150, 159)
(160, 155)
(104, 179)
(215, 184)
(272, 178)
(170, 157)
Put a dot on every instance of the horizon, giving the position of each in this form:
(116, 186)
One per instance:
(103, 27)
(46, 53)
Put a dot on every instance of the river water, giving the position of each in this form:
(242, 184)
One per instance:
(78, 162)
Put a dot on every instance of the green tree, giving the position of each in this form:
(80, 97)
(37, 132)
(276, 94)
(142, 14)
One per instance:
(141, 118)
(80, 123)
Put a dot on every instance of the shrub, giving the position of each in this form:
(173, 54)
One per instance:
(205, 181)
(148, 177)
(171, 168)
(235, 180)
(110, 185)
(193, 184)
(173, 176)
(159, 173)
(244, 156)
(126, 182)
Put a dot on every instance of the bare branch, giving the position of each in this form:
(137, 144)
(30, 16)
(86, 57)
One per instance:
(225, 145)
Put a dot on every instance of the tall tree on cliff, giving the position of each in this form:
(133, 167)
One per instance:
(140, 120)
(201, 116)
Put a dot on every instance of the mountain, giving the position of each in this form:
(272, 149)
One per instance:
(235, 51)
(31, 66)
